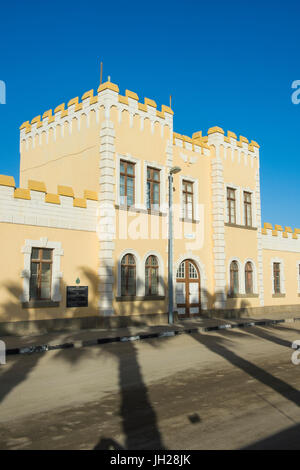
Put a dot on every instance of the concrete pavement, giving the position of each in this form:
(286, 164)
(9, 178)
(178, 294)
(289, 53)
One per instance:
(84, 338)
(227, 389)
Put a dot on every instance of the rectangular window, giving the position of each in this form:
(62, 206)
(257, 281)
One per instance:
(231, 206)
(127, 184)
(248, 209)
(188, 198)
(153, 188)
(40, 274)
(276, 275)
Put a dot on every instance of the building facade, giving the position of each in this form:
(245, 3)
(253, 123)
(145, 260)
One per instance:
(85, 237)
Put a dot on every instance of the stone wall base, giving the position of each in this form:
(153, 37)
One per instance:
(38, 327)
(275, 311)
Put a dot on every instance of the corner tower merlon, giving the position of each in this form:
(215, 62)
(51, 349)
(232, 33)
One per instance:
(108, 96)
(215, 135)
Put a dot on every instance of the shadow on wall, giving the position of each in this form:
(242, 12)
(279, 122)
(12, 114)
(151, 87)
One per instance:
(237, 310)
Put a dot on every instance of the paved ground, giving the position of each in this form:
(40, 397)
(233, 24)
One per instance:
(229, 390)
(139, 328)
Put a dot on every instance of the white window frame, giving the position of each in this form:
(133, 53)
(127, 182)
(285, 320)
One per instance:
(298, 276)
(282, 275)
(195, 182)
(58, 252)
(237, 203)
(241, 275)
(250, 260)
(253, 205)
(139, 291)
(137, 179)
(162, 185)
(161, 285)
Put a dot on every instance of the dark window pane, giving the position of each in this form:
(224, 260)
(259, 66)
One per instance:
(47, 254)
(33, 292)
(129, 169)
(35, 253)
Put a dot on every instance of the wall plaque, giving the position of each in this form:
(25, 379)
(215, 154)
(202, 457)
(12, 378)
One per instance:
(77, 296)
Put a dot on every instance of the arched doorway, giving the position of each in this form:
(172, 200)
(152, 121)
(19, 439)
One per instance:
(188, 289)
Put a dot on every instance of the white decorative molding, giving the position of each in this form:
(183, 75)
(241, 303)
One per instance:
(107, 216)
(270, 242)
(218, 220)
(37, 212)
(260, 267)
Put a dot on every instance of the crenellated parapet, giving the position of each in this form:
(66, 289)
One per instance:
(279, 231)
(107, 97)
(240, 150)
(280, 238)
(35, 206)
(196, 143)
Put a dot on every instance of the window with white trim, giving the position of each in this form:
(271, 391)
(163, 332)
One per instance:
(276, 278)
(38, 277)
(153, 188)
(127, 183)
(40, 274)
(234, 277)
(231, 205)
(248, 209)
(188, 199)
(249, 278)
(128, 275)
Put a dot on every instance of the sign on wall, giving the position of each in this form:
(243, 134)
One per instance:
(77, 296)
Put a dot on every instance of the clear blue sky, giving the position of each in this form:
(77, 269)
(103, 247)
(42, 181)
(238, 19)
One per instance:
(226, 63)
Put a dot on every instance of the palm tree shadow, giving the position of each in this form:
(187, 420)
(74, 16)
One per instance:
(108, 444)
(216, 345)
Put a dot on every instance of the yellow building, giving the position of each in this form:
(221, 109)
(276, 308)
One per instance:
(85, 237)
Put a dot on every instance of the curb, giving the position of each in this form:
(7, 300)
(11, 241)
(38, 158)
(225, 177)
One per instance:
(81, 344)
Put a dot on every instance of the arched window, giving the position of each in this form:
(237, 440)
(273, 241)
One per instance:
(234, 277)
(151, 275)
(181, 271)
(128, 275)
(249, 278)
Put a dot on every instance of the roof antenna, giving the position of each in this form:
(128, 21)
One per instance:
(171, 101)
(108, 78)
(101, 70)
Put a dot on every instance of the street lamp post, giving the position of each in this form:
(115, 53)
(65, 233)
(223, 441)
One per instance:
(173, 171)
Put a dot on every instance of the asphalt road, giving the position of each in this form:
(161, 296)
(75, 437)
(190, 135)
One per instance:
(230, 390)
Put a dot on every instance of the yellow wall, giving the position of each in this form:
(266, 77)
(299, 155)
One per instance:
(79, 260)
(291, 273)
(71, 159)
